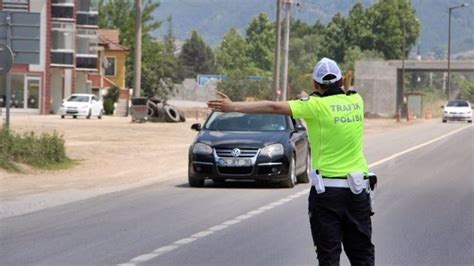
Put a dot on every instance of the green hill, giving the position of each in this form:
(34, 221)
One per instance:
(212, 18)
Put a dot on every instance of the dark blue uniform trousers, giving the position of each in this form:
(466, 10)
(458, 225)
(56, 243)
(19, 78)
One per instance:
(339, 216)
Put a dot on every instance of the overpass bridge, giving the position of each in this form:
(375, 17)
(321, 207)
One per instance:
(380, 82)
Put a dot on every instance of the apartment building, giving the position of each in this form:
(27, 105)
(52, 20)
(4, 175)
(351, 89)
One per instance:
(68, 54)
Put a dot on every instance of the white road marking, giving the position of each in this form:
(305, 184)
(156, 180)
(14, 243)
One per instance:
(184, 241)
(144, 257)
(266, 208)
(218, 227)
(226, 224)
(231, 222)
(165, 249)
(243, 217)
(202, 234)
(255, 212)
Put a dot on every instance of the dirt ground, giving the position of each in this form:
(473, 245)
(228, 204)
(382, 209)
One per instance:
(113, 154)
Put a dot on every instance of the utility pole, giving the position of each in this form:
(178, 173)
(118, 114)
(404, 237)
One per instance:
(284, 90)
(138, 49)
(276, 73)
(449, 45)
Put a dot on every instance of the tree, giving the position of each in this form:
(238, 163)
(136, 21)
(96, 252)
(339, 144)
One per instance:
(196, 57)
(390, 19)
(170, 62)
(261, 40)
(359, 28)
(232, 54)
(335, 38)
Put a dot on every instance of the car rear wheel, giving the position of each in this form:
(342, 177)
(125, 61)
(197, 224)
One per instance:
(469, 121)
(74, 116)
(444, 120)
(100, 114)
(291, 179)
(304, 177)
(62, 117)
(195, 182)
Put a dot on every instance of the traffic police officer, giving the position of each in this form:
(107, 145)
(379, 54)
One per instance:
(339, 208)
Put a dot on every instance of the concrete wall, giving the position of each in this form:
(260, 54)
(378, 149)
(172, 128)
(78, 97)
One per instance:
(376, 81)
(191, 91)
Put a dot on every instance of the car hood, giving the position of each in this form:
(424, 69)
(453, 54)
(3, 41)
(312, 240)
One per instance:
(242, 139)
(457, 109)
(75, 104)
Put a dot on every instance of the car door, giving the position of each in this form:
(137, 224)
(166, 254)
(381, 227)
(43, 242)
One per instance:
(300, 140)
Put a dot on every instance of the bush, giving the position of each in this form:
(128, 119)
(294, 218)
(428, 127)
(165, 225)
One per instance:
(41, 151)
(108, 106)
(110, 98)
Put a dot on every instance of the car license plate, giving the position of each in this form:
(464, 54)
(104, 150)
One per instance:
(235, 162)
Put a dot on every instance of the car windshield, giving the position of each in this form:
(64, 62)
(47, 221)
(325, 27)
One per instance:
(78, 98)
(245, 122)
(457, 103)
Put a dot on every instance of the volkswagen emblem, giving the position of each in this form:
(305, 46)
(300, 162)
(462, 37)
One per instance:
(235, 152)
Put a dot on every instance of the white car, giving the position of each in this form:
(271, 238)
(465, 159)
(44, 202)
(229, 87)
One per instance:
(457, 110)
(82, 105)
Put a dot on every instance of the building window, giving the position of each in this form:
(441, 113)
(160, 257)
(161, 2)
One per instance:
(63, 36)
(111, 70)
(22, 97)
(86, 42)
(63, 2)
(88, 6)
(16, 5)
(18, 91)
(62, 51)
(87, 13)
(63, 9)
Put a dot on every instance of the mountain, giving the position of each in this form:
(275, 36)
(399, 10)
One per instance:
(212, 18)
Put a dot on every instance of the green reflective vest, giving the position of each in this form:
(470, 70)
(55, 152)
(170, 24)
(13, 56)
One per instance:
(335, 127)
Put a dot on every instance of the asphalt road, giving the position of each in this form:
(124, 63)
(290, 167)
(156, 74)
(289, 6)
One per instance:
(424, 215)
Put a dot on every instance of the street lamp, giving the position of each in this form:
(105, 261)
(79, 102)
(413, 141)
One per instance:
(449, 45)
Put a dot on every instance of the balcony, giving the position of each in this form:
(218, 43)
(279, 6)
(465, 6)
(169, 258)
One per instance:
(90, 19)
(86, 62)
(62, 58)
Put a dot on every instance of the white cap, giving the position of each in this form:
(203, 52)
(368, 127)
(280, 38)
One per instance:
(326, 67)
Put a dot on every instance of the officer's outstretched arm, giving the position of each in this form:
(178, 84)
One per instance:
(226, 105)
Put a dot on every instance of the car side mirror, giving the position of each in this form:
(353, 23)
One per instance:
(299, 127)
(196, 127)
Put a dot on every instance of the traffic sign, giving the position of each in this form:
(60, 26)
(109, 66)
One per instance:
(6, 58)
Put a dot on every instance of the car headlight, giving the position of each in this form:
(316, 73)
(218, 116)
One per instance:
(201, 148)
(273, 150)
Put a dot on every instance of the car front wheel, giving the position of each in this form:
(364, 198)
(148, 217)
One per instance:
(195, 182)
(291, 179)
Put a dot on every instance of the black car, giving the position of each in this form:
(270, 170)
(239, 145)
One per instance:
(261, 147)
